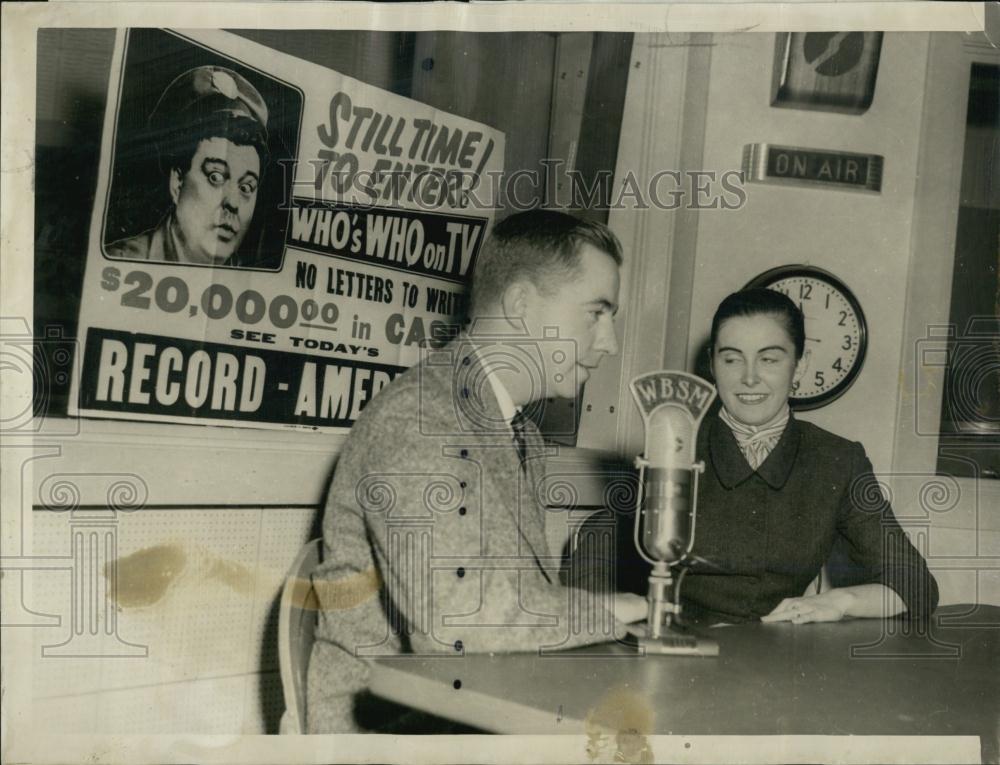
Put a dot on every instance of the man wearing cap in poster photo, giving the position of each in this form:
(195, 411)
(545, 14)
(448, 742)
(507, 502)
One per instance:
(210, 132)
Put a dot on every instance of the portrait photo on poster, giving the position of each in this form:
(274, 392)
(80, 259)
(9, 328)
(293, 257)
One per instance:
(199, 154)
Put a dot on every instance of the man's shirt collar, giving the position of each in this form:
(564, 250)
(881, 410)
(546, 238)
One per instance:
(507, 407)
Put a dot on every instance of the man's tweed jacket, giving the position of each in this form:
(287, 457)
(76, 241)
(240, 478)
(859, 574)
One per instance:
(433, 538)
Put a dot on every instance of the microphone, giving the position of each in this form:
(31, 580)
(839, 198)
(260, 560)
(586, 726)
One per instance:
(672, 405)
(667, 517)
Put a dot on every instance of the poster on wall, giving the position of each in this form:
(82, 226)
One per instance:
(271, 242)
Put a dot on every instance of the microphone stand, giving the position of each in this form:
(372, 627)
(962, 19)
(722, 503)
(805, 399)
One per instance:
(665, 633)
(672, 404)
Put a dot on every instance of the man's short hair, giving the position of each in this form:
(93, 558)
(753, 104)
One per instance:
(202, 103)
(541, 246)
(178, 148)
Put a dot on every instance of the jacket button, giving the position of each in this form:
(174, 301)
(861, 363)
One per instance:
(460, 572)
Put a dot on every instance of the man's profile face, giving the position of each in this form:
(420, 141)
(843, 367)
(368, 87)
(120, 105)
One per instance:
(581, 311)
(214, 200)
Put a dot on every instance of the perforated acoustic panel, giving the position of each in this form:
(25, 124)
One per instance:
(167, 618)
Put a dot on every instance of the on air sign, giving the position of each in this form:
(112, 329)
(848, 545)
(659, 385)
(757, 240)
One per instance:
(767, 163)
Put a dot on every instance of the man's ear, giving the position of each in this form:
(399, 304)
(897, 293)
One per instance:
(516, 300)
(175, 184)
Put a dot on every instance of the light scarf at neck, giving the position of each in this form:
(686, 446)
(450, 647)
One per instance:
(757, 441)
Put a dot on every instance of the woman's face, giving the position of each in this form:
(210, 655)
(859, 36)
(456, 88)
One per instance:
(754, 366)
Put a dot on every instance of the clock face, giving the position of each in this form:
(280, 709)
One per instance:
(836, 332)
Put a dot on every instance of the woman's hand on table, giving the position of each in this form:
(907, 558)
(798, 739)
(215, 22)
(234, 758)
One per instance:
(864, 600)
(830, 606)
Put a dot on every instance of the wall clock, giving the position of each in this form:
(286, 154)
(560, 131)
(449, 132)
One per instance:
(836, 331)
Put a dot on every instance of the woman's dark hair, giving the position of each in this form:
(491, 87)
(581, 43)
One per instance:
(755, 302)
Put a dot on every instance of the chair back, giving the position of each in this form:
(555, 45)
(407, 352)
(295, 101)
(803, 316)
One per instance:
(296, 633)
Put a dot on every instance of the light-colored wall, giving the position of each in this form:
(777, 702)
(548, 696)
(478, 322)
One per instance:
(964, 513)
(207, 485)
(223, 511)
(893, 249)
(862, 238)
(193, 647)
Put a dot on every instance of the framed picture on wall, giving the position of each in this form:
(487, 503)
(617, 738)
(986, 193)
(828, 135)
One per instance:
(825, 71)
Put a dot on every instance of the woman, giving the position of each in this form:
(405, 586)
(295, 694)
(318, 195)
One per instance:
(780, 498)
(779, 494)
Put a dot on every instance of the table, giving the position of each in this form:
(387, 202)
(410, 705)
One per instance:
(854, 677)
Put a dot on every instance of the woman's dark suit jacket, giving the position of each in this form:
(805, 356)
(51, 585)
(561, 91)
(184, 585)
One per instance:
(813, 501)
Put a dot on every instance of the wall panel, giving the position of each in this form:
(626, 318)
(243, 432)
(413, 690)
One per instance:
(862, 238)
(197, 589)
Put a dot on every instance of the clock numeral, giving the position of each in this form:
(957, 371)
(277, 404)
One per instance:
(837, 324)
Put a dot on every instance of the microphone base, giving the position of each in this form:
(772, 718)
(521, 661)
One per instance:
(675, 640)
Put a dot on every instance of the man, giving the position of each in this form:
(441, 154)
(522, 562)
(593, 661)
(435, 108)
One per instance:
(210, 129)
(434, 533)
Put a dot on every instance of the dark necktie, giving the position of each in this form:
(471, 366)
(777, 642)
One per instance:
(519, 424)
